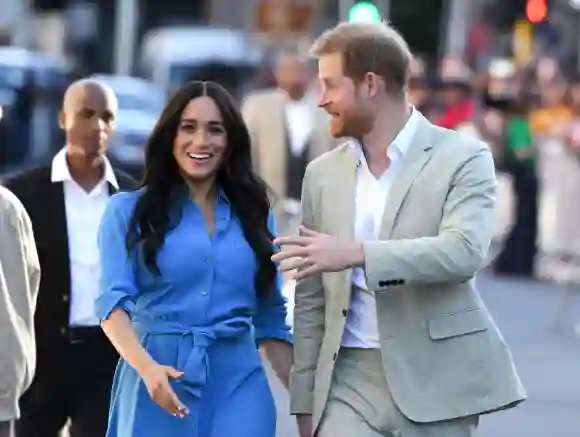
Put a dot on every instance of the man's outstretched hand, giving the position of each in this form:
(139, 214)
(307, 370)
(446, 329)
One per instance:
(314, 252)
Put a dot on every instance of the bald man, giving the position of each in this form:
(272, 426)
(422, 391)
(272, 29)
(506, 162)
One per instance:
(65, 201)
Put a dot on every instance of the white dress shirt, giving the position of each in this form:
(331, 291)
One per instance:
(361, 330)
(299, 123)
(83, 215)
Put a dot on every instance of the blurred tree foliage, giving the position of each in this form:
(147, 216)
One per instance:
(420, 23)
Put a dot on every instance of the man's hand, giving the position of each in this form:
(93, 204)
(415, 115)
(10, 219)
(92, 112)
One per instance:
(304, 425)
(314, 252)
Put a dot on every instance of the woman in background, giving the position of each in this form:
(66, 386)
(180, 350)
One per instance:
(560, 175)
(519, 161)
(188, 288)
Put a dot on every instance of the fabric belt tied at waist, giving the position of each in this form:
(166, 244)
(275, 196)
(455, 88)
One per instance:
(192, 357)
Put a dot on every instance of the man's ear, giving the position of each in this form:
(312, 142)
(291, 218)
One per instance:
(373, 84)
(61, 119)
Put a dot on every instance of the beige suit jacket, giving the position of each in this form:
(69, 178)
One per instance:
(264, 115)
(443, 355)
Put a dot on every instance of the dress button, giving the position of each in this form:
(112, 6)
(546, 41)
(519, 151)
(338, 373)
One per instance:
(63, 331)
(65, 297)
(204, 293)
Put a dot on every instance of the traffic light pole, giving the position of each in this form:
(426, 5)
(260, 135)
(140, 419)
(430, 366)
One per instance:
(457, 27)
(126, 19)
(343, 9)
(385, 8)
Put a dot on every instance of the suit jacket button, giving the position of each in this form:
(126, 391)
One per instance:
(63, 331)
(65, 298)
(344, 312)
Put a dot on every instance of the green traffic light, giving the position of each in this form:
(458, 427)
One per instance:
(364, 12)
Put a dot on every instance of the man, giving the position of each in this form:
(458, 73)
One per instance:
(19, 279)
(288, 130)
(65, 201)
(419, 86)
(459, 110)
(390, 336)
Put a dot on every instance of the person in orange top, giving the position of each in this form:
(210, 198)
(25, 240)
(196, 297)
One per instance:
(554, 116)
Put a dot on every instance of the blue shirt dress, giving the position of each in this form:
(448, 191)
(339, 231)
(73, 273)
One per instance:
(201, 316)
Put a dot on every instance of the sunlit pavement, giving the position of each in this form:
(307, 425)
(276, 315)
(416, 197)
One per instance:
(547, 355)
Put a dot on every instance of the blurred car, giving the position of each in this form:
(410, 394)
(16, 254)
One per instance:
(31, 89)
(127, 147)
(134, 94)
(140, 105)
(226, 56)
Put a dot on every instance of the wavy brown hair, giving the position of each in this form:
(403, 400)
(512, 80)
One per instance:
(247, 193)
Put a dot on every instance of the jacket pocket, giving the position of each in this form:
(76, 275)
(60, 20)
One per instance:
(456, 324)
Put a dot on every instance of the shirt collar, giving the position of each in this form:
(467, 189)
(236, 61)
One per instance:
(60, 171)
(182, 192)
(402, 141)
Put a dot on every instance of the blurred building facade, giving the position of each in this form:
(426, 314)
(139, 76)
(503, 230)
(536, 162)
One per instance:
(92, 30)
(92, 27)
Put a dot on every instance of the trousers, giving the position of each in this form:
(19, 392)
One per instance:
(360, 404)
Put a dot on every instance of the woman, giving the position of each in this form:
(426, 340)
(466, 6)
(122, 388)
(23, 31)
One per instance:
(560, 175)
(188, 287)
(519, 161)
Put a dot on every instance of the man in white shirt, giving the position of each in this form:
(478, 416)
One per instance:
(65, 201)
(390, 336)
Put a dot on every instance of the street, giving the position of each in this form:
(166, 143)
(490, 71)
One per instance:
(547, 357)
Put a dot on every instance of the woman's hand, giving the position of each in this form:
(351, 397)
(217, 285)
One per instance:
(156, 379)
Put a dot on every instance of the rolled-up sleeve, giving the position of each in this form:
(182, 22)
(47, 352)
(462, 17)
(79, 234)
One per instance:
(118, 287)
(270, 318)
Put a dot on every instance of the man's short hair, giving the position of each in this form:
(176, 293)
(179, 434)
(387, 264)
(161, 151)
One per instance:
(368, 48)
(291, 51)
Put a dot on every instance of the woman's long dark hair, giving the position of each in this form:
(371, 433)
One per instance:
(246, 192)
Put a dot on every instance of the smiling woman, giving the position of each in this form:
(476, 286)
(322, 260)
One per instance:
(188, 287)
(201, 139)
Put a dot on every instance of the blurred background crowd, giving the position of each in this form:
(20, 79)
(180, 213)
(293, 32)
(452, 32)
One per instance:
(506, 71)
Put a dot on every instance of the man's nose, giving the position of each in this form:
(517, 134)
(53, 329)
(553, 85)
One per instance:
(100, 125)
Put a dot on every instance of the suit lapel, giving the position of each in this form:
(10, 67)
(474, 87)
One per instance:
(56, 230)
(272, 159)
(413, 163)
(344, 193)
(57, 211)
(342, 212)
(280, 146)
(319, 136)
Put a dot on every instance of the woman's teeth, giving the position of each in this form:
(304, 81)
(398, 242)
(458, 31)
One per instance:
(200, 155)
